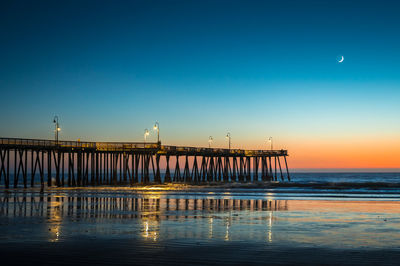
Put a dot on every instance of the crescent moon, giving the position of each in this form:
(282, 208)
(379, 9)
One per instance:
(341, 60)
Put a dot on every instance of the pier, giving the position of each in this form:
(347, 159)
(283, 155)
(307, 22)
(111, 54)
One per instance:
(76, 164)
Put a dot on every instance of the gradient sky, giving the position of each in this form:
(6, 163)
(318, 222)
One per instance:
(109, 69)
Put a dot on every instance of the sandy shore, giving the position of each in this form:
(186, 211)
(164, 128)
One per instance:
(149, 225)
(124, 252)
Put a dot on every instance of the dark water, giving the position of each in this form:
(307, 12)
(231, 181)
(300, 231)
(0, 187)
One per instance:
(122, 226)
(296, 178)
(391, 178)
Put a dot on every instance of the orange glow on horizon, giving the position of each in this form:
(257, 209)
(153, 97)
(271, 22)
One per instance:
(350, 153)
(333, 152)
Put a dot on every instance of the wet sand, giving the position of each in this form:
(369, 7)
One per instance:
(117, 252)
(164, 227)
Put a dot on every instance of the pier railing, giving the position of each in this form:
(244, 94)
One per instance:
(219, 151)
(106, 146)
(128, 146)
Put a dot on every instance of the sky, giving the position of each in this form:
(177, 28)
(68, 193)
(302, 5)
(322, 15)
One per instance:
(256, 69)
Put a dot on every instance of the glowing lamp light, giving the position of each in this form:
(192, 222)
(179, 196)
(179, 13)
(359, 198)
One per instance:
(146, 133)
(56, 129)
(270, 142)
(228, 137)
(157, 127)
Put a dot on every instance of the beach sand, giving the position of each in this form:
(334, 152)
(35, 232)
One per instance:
(180, 226)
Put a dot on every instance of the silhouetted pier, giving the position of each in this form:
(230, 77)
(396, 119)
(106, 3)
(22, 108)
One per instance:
(76, 163)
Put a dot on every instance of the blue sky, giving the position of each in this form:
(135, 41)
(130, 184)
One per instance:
(109, 69)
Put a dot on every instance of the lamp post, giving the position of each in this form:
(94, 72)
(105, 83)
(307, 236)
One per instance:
(146, 133)
(228, 136)
(270, 142)
(157, 127)
(57, 128)
(210, 140)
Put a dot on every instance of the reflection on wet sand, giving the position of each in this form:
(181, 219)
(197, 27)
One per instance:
(156, 218)
(123, 207)
(149, 210)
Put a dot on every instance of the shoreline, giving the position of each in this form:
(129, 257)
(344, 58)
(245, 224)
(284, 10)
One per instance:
(229, 185)
(341, 192)
(182, 226)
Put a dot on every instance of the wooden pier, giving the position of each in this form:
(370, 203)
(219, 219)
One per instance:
(76, 164)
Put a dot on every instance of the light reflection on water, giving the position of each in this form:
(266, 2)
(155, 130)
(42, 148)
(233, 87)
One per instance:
(161, 218)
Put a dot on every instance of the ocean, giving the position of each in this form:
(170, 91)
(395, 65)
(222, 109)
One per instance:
(343, 177)
(300, 177)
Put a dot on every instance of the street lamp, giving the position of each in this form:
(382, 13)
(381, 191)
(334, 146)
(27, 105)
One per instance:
(157, 127)
(146, 133)
(210, 140)
(270, 142)
(228, 136)
(57, 128)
